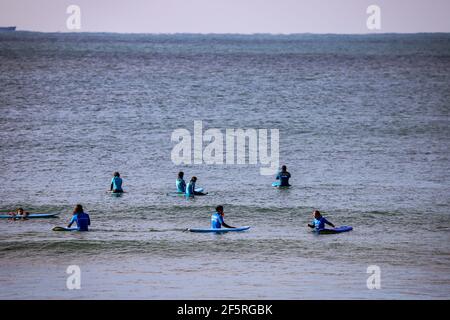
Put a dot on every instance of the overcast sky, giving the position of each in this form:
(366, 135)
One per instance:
(228, 16)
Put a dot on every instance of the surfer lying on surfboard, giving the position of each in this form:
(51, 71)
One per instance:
(319, 221)
(19, 214)
(217, 219)
(81, 218)
(190, 188)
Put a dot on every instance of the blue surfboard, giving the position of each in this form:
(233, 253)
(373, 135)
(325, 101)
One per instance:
(65, 229)
(30, 216)
(176, 193)
(116, 194)
(276, 184)
(219, 230)
(335, 230)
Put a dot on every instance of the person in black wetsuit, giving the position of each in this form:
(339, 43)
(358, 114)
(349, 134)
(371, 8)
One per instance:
(283, 176)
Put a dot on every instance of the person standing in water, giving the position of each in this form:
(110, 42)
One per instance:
(81, 218)
(283, 176)
(181, 184)
(217, 219)
(116, 183)
(190, 188)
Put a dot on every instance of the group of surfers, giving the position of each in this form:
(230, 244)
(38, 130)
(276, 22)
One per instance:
(189, 189)
(82, 219)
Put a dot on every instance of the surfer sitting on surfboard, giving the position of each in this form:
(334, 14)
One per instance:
(181, 184)
(319, 221)
(217, 219)
(116, 183)
(81, 218)
(190, 188)
(283, 176)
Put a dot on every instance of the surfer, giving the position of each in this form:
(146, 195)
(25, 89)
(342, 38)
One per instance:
(217, 219)
(20, 213)
(116, 183)
(283, 176)
(181, 184)
(81, 218)
(190, 188)
(319, 221)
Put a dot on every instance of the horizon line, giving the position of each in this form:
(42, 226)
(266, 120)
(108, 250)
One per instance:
(233, 33)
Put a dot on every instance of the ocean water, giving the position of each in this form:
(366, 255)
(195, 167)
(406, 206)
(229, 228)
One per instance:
(364, 131)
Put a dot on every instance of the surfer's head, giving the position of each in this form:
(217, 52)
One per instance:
(19, 210)
(316, 214)
(283, 168)
(219, 209)
(194, 178)
(116, 174)
(78, 209)
(181, 174)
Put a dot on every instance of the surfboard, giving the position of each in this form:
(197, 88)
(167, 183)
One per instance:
(335, 230)
(176, 193)
(276, 184)
(30, 216)
(65, 229)
(220, 230)
(116, 194)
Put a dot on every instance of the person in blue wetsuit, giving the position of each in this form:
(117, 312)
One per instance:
(190, 188)
(283, 176)
(81, 218)
(116, 183)
(181, 184)
(319, 222)
(217, 219)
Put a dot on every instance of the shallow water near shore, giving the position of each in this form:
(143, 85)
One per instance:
(364, 131)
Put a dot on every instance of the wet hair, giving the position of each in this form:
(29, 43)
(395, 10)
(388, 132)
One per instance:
(20, 209)
(116, 174)
(78, 209)
(316, 212)
(283, 168)
(194, 178)
(219, 208)
(180, 174)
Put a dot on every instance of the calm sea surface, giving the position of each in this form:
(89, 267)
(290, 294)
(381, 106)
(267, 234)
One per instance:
(364, 131)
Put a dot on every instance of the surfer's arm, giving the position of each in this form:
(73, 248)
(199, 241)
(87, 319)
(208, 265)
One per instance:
(71, 222)
(227, 226)
(329, 223)
(311, 225)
